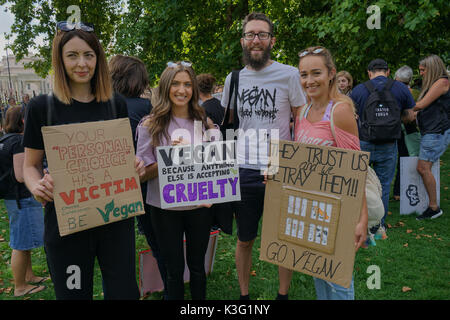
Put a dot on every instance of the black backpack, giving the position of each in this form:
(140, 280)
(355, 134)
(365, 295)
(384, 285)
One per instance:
(381, 117)
(7, 180)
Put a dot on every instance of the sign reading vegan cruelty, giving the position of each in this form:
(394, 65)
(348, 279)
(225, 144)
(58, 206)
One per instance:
(92, 166)
(312, 205)
(198, 174)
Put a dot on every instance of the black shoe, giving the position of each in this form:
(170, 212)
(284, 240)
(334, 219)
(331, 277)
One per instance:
(430, 214)
(282, 297)
(374, 229)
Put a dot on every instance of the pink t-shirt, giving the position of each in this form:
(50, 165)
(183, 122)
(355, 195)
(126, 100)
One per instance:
(319, 133)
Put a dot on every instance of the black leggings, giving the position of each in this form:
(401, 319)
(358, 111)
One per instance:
(169, 227)
(71, 259)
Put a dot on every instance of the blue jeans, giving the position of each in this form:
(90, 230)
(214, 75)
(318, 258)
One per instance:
(433, 146)
(383, 157)
(326, 290)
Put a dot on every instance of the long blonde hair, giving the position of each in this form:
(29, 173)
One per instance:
(334, 94)
(161, 113)
(435, 69)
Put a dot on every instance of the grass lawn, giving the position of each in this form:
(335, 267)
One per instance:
(414, 262)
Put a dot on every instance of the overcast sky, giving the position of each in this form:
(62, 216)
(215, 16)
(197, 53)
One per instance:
(6, 21)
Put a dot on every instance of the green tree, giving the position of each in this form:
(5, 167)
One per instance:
(34, 18)
(207, 32)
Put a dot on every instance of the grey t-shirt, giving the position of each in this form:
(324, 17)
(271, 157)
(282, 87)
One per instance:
(264, 102)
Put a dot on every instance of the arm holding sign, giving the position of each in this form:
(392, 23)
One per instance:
(345, 120)
(40, 186)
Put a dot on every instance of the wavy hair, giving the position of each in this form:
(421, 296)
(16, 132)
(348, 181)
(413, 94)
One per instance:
(435, 69)
(161, 114)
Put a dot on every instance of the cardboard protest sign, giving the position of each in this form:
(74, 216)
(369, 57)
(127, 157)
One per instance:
(312, 205)
(413, 195)
(198, 173)
(92, 165)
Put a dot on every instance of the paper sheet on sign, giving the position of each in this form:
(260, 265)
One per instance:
(92, 166)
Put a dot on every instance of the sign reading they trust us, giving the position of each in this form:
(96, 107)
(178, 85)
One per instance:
(197, 174)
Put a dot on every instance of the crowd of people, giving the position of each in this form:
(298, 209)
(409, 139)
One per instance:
(310, 102)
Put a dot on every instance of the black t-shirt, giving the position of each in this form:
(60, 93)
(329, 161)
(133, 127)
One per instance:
(214, 110)
(137, 109)
(13, 145)
(76, 112)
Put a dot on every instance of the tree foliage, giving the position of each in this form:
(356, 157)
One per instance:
(207, 32)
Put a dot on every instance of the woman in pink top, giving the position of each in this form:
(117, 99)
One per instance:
(171, 122)
(318, 79)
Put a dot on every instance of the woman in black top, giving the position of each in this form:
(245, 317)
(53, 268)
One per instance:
(433, 108)
(82, 93)
(212, 106)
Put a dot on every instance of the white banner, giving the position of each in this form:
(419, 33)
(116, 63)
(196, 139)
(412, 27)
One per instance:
(205, 173)
(413, 196)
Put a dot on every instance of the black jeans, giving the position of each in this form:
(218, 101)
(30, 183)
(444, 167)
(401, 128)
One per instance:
(170, 226)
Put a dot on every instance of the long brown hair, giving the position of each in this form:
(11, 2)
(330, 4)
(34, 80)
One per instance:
(101, 81)
(334, 94)
(435, 69)
(161, 113)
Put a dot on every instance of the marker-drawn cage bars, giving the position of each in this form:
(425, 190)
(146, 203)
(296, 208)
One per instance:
(309, 219)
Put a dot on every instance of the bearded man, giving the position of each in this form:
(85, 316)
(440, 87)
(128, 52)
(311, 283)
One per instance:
(268, 93)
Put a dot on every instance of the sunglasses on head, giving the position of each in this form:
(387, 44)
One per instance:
(172, 64)
(306, 52)
(67, 26)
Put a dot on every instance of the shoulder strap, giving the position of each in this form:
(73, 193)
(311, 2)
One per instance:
(234, 85)
(113, 107)
(50, 103)
(303, 111)
(7, 136)
(332, 120)
(369, 86)
(236, 89)
(389, 84)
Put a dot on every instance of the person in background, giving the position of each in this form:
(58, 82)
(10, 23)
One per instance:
(26, 218)
(212, 106)
(404, 75)
(345, 82)
(129, 78)
(176, 107)
(82, 93)
(383, 154)
(433, 109)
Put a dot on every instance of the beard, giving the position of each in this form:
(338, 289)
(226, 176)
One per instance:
(256, 63)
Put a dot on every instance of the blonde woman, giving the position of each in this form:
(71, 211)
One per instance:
(434, 125)
(344, 82)
(312, 125)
